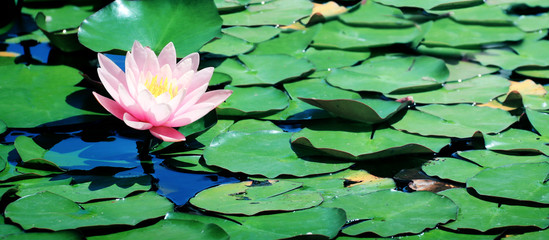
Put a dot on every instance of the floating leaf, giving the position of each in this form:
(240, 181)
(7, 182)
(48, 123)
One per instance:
(462, 70)
(252, 125)
(436, 234)
(524, 182)
(51, 211)
(335, 34)
(228, 46)
(517, 140)
(277, 12)
(475, 90)
(482, 14)
(271, 155)
(317, 88)
(451, 168)
(328, 59)
(375, 14)
(539, 235)
(293, 43)
(483, 216)
(36, 96)
(120, 23)
(446, 32)
(335, 138)
(67, 235)
(433, 4)
(250, 198)
(171, 229)
(460, 120)
(530, 23)
(252, 34)
(390, 74)
(369, 111)
(539, 120)
(314, 222)
(388, 212)
(491, 159)
(243, 101)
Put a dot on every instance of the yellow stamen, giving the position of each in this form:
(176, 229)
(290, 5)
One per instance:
(157, 88)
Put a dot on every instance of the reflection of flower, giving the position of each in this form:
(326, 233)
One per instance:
(156, 93)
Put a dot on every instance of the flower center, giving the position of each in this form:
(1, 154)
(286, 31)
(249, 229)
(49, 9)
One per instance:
(157, 87)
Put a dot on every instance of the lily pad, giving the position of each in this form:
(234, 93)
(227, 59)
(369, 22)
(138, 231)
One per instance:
(451, 168)
(446, 32)
(243, 101)
(335, 138)
(491, 159)
(388, 212)
(315, 222)
(462, 70)
(507, 59)
(539, 120)
(317, 88)
(228, 46)
(171, 229)
(517, 140)
(65, 17)
(267, 68)
(328, 59)
(51, 211)
(292, 43)
(271, 155)
(68, 235)
(483, 216)
(431, 4)
(482, 14)
(461, 120)
(252, 34)
(119, 24)
(252, 125)
(335, 34)
(36, 96)
(250, 197)
(391, 74)
(476, 90)
(530, 23)
(524, 182)
(375, 14)
(370, 111)
(436, 234)
(276, 12)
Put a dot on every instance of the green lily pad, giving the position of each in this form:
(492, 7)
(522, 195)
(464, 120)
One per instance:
(521, 181)
(483, 216)
(388, 212)
(37, 96)
(537, 72)
(335, 34)
(317, 88)
(451, 168)
(299, 110)
(461, 120)
(391, 74)
(348, 182)
(482, 14)
(462, 70)
(65, 17)
(191, 163)
(539, 235)
(316, 222)
(277, 12)
(228, 46)
(252, 34)
(252, 125)
(264, 69)
(509, 60)
(446, 32)
(243, 101)
(517, 140)
(51, 211)
(250, 198)
(328, 59)
(539, 121)
(375, 14)
(431, 4)
(271, 155)
(170, 229)
(292, 43)
(536, 102)
(119, 24)
(370, 111)
(476, 90)
(530, 23)
(100, 187)
(491, 159)
(436, 234)
(68, 235)
(448, 52)
(3, 127)
(335, 138)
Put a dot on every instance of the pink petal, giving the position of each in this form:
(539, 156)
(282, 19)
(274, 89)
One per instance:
(207, 102)
(190, 99)
(167, 56)
(135, 123)
(190, 62)
(145, 100)
(167, 134)
(113, 107)
(110, 83)
(138, 55)
(108, 65)
(151, 62)
(200, 78)
(159, 114)
(129, 103)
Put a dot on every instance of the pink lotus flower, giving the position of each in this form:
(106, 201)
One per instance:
(158, 93)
